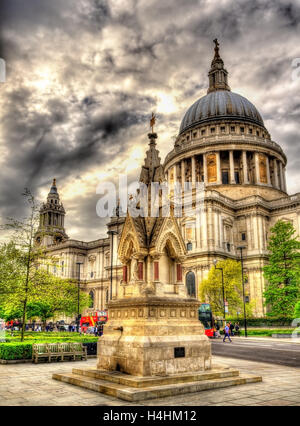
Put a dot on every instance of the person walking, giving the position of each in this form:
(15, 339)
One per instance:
(231, 326)
(218, 331)
(237, 328)
(226, 333)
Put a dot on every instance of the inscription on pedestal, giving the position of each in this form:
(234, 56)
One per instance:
(179, 352)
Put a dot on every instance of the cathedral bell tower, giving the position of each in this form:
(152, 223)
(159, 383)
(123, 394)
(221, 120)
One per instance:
(52, 217)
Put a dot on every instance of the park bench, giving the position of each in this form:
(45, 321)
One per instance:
(79, 350)
(40, 351)
(67, 350)
(58, 351)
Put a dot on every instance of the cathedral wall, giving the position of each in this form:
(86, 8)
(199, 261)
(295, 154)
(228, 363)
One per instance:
(239, 192)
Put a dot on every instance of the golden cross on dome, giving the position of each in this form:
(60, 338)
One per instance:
(152, 122)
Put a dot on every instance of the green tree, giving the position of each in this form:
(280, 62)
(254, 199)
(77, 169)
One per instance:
(54, 295)
(297, 310)
(48, 295)
(23, 279)
(26, 256)
(212, 292)
(282, 273)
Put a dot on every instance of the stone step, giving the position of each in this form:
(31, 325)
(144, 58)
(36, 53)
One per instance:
(131, 394)
(145, 382)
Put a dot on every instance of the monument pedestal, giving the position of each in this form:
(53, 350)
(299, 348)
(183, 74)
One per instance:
(135, 389)
(153, 348)
(154, 336)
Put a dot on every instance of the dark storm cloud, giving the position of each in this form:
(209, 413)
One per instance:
(36, 150)
(84, 76)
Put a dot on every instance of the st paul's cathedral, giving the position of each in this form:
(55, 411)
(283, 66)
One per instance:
(222, 143)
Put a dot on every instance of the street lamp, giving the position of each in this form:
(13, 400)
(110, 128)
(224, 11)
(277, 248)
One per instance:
(241, 248)
(78, 297)
(112, 233)
(221, 269)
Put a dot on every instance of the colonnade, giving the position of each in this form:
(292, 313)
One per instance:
(230, 167)
(52, 219)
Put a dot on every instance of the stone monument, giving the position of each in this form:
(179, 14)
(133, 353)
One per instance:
(153, 344)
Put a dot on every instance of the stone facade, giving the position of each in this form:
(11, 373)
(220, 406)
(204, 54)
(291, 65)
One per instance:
(223, 144)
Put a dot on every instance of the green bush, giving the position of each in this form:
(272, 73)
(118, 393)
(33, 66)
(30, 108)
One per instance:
(11, 350)
(14, 351)
(265, 332)
(50, 337)
(263, 322)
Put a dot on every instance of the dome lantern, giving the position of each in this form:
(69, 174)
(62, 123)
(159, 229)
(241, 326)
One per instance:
(218, 75)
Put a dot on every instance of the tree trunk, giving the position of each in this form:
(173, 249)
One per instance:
(24, 316)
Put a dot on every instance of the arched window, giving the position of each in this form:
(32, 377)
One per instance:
(191, 284)
(91, 294)
(189, 246)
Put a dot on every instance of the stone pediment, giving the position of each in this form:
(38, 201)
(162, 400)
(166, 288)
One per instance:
(133, 235)
(167, 230)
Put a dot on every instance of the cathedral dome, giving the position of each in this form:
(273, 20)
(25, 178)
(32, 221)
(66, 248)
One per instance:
(222, 105)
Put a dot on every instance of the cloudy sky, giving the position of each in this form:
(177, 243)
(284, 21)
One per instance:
(83, 77)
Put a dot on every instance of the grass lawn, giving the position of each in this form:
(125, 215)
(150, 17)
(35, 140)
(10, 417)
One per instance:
(42, 337)
(261, 332)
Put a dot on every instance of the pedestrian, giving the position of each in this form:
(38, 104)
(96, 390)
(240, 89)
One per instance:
(231, 326)
(218, 331)
(237, 328)
(226, 333)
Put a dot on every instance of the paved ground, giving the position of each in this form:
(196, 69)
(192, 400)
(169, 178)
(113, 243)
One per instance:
(29, 384)
(271, 351)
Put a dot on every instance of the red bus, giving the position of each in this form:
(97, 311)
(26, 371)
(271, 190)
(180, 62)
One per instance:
(92, 320)
(206, 317)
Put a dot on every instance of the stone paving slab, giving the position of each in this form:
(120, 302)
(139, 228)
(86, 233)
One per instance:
(33, 385)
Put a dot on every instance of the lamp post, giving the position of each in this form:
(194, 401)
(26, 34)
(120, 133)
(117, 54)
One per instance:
(221, 269)
(78, 297)
(112, 233)
(241, 248)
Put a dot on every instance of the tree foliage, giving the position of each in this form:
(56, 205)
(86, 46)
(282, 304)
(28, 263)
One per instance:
(282, 273)
(211, 288)
(297, 310)
(24, 285)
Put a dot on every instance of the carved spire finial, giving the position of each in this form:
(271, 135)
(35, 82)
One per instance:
(152, 122)
(217, 55)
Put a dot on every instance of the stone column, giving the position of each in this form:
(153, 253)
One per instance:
(193, 171)
(245, 168)
(182, 173)
(210, 226)
(231, 165)
(284, 180)
(216, 225)
(261, 233)
(268, 171)
(218, 160)
(198, 230)
(205, 168)
(175, 174)
(249, 233)
(281, 176)
(257, 176)
(255, 233)
(221, 231)
(276, 174)
(204, 228)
